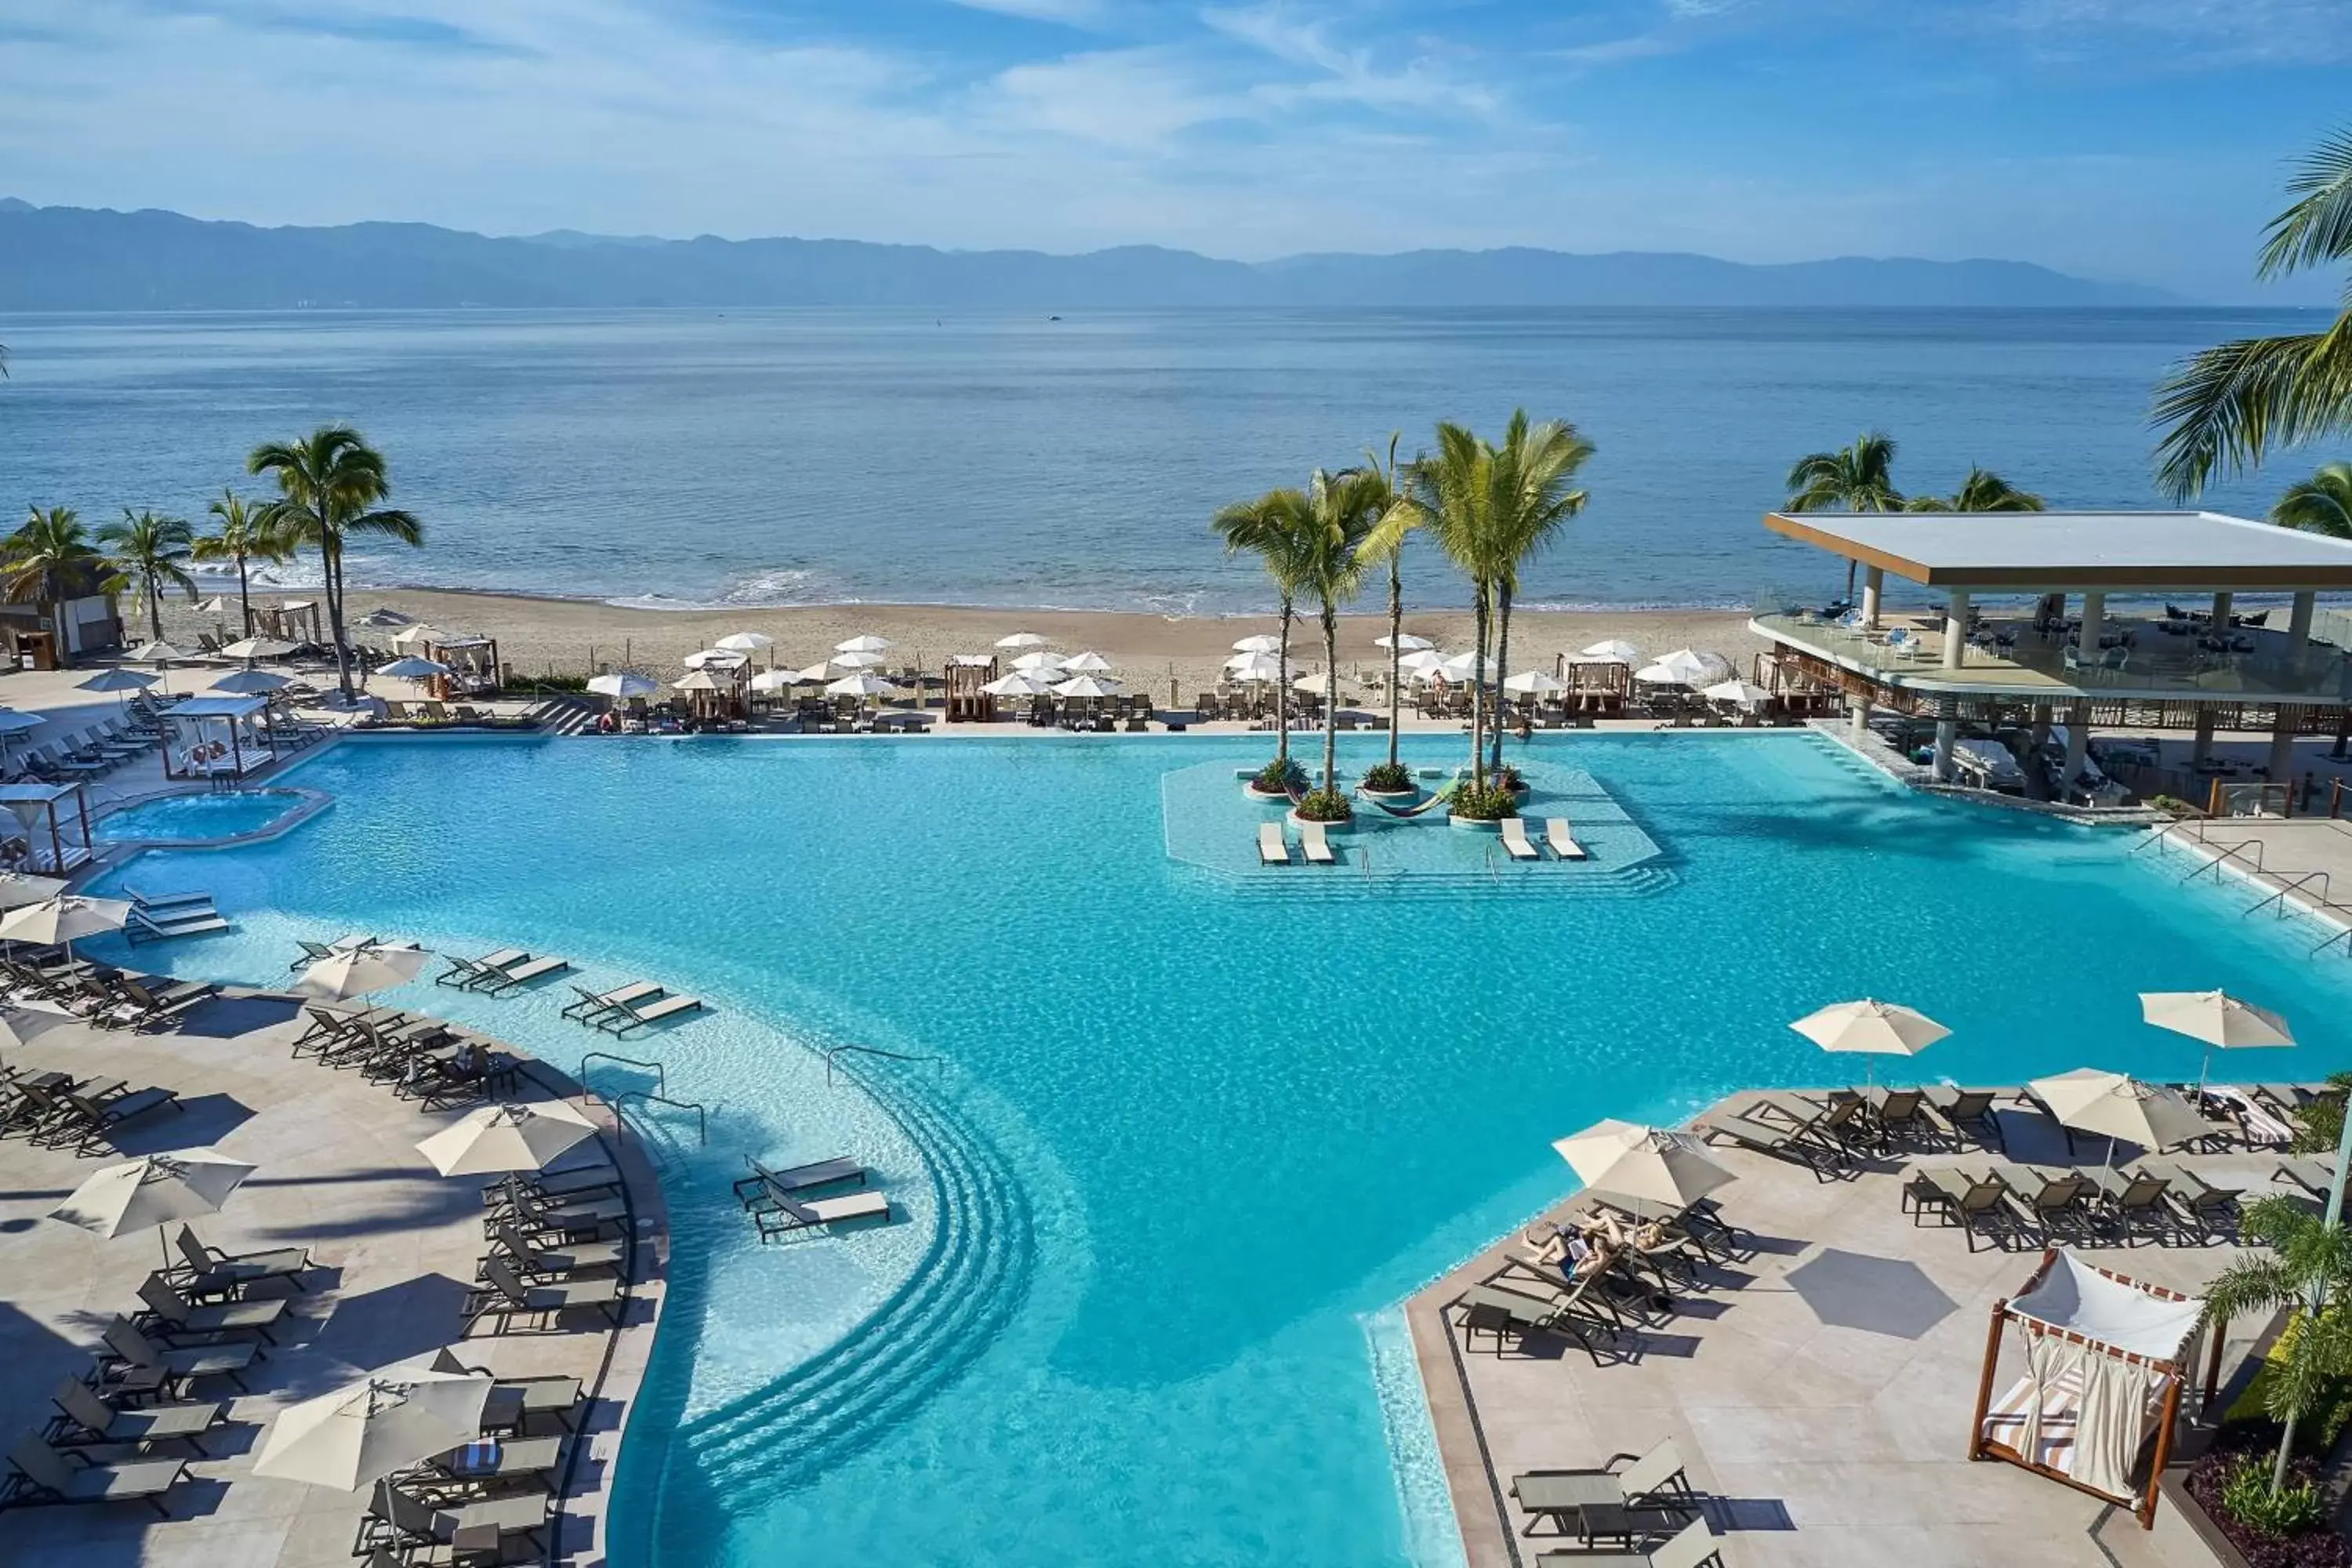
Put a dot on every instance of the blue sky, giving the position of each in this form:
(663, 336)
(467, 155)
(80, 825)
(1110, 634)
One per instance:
(2141, 139)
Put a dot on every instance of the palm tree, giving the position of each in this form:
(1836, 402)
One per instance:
(1533, 503)
(150, 550)
(241, 537)
(2310, 1259)
(1982, 491)
(329, 483)
(1399, 518)
(2320, 504)
(1347, 509)
(2231, 404)
(1860, 477)
(48, 558)
(1278, 528)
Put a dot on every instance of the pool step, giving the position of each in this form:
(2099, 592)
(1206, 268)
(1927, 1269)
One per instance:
(176, 914)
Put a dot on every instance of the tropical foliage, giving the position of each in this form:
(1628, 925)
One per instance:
(51, 557)
(2307, 1269)
(2320, 504)
(2229, 406)
(152, 551)
(1386, 546)
(331, 485)
(1982, 491)
(1346, 511)
(1278, 528)
(240, 536)
(1859, 478)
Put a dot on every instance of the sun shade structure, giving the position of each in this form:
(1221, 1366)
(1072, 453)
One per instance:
(1403, 642)
(701, 680)
(417, 634)
(1263, 642)
(1533, 683)
(1653, 1165)
(54, 819)
(1744, 693)
(1087, 663)
(1090, 685)
(857, 658)
(17, 890)
(715, 659)
(745, 642)
(1019, 640)
(866, 642)
(1882, 1028)
(624, 685)
(259, 682)
(2114, 1106)
(775, 681)
(366, 1430)
(1685, 666)
(261, 648)
(501, 1138)
(1610, 650)
(1018, 683)
(1038, 660)
(2035, 552)
(412, 666)
(2104, 1358)
(860, 683)
(2220, 1020)
(63, 920)
(116, 679)
(359, 971)
(217, 734)
(156, 1189)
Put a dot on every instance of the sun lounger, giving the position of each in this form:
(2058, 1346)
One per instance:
(553, 1187)
(156, 1006)
(593, 1004)
(1317, 843)
(212, 1272)
(83, 1419)
(523, 973)
(176, 1317)
(86, 1123)
(507, 1297)
(2049, 1200)
(464, 973)
(399, 1527)
(1514, 831)
(46, 1475)
(1563, 843)
(530, 1261)
(2213, 1210)
(753, 1189)
(1693, 1547)
(1966, 1108)
(625, 1020)
(131, 1360)
(2313, 1176)
(538, 1216)
(1496, 1307)
(1272, 850)
(790, 1214)
(1656, 1479)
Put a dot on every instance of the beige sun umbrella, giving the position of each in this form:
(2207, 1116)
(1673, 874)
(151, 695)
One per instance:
(63, 920)
(2220, 1020)
(1650, 1164)
(19, 888)
(498, 1138)
(153, 1190)
(366, 1430)
(1871, 1026)
(260, 647)
(357, 971)
(2118, 1106)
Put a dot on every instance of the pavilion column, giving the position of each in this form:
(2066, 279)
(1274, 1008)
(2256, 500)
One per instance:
(1857, 719)
(2095, 624)
(2078, 741)
(1947, 731)
(2222, 614)
(1956, 630)
(2298, 639)
(1873, 579)
(2040, 725)
(2200, 750)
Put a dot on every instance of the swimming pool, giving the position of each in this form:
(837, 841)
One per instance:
(1201, 1129)
(191, 816)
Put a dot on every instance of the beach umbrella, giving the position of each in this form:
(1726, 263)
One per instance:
(2216, 1018)
(1018, 683)
(700, 681)
(857, 658)
(1688, 667)
(860, 683)
(1423, 662)
(1090, 685)
(1463, 666)
(116, 679)
(1747, 694)
(714, 658)
(215, 606)
(623, 685)
(13, 722)
(865, 642)
(775, 680)
(364, 1431)
(155, 652)
(1611, 650)
(1404, 642)
(21, 1024)
(1020, 640)
(1263, 642)
(814, 675)
(2114, 1106)
(258, 647)
(153, 1190)
(1871, 1026)
(1039, 662)
(410, 636)
(1087, 663)
(1255, 667)
(745, 642)
(1653, 1165)
(255, 683)
(63, 920)
(501, 1138)
(1317, 684)
(413, 668)
(17, 889)
(358, 971)
(1533, 683)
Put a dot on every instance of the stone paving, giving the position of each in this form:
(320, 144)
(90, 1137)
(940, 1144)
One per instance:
(396, 1245)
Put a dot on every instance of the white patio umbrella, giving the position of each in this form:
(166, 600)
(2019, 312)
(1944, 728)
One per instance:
(1403, 641)
(1422, 662)
(364, 1431)
(256, 682)
(2114, 1106)
(500, 1138)
(215, 606)
(1653, 1165)
(1745, 694)
(358, 971)
(262, 647)
(860, 683)
(13, 722)
(621, 685)
(865, 642)
(1691, 667)
(814, 675)
(153, 1190)
(1087, 663)
(1020, 640)
(855, 659)
(1090, 685)
(19, 888)
(1018, 683)
(775, 680)
(1040, 661)
(412, 667)
(116, 679)
(410, 636)
(1317, 684)
(1255, 667)
(745, 642)
(21, 1024)
(1263, 642)
(701, 680)
(1533, 683)
(1463, 666)
(1871, 1026)
(64, 920)
(2220, 1020)
(715, 659)
(1611, 650)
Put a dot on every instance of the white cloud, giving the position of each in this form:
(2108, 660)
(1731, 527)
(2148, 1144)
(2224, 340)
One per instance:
(1073, 11)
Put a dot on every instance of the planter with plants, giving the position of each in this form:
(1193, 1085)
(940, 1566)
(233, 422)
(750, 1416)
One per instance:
(1391, 782)
(1328, 806)
(1508, 778)
(2170, 805)
(1273, 780)
(2261, 1525)
(1481, 810)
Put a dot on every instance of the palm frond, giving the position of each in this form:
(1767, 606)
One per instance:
(2320, 504)
(2227, 408)
(2318, 227)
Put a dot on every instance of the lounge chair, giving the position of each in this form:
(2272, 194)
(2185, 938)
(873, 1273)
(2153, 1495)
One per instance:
(212, 1272)
(1563, 843)
(401, 1528)
(1495, 1308)
(87, 1123)
(1657, 1479)
(2049, 1200)
(791, 1215)
(754, 1189)
(177, 1317)
(534, 1262)
(1513, 830)
(2313, 1176)
(46, 1475)
(2134, 1201)
(133, 1361)
(595, 1005)
(625, 1018)
(1786, 1142)
(1317, 843)
(507, 1297)
(1272, 850)
(1693, 1547)
(2213, 1210)
(1898, 1110)
(152, 1007)
(523, 973)
(466, 973)
(594, 1180)
(1959, 1109)
(1974, 1203)
(83, 1419)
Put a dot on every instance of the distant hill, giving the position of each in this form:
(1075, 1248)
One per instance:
(80, 258)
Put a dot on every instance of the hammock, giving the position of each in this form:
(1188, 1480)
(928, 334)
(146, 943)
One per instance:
(1442, 797)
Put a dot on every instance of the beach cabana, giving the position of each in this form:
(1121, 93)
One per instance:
(291, 620)
(55, 823)
(2104, 1360)
(216, 737)
(968, 680)
(473, 663)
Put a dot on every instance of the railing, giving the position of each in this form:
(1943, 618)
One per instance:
(869, 1051)
(661, 1074)
(2294, 884)
(2228, 852)
(648, 1097)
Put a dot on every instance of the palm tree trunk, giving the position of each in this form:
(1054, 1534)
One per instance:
(1502, 662)
(1479, 605)
(330, 557)
(1330, 695)
(1282, 688)
(1396, 654)
(244, 596)
(154, 612)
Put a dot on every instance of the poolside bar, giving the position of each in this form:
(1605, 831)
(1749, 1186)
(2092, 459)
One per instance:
(2047, 617)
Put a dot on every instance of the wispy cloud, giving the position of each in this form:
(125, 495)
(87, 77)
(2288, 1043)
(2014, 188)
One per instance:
(1073, 11)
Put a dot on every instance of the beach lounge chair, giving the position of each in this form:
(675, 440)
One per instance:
(2133, 1202)
(593, 1004)
(83, 1419)
(1657, 1479)
(1692, 1547)
(1316, 844)
(625, 1018)
(551, 1187)
(1272, 849)
(523, 973)
(1516, 844)
(1966, 1109)
(88, 1122)
(401, 1528)
(46, 1475)
(2051, 1200)
(1898, 1110)
(1495, 1308)
(2210, 1210)
(1563, 843)
(793, 1215)
(1765, 1138)
(154, 1006)
(1973, 1203)
(753, 1190)
(2313, 1176)
(506, 1297)
(212, 1272)
(531, 1261)
(464, 973)
(131, 1360)
(176, 1317)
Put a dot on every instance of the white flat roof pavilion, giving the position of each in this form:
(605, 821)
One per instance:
(2039, 552)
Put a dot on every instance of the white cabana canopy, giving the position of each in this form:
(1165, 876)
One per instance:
(1610, 650)
(1019, 640)
(775, 680)
(860, 683)
(715, 659)
(1743, 693)
(1404, 642)
(866, 642)
(2119, 1314)
(745, 642)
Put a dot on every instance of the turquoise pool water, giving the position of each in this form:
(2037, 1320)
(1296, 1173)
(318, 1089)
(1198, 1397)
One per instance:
(198, 816)
(1199, 1129)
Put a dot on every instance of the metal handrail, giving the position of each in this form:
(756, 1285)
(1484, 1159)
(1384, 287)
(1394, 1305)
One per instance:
(661, 1074)
(2228, 852)
(870, 1051)
(702, 1113)
(2293, 884)
(2330, 940)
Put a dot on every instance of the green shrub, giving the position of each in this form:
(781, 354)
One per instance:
(1325, 806)
(1388, 777)
(2319, 1125)
(2316, 1429)
(1490, 804)
(2246, 1496)
(2170, 805)
(1278, 775)
(566, 683)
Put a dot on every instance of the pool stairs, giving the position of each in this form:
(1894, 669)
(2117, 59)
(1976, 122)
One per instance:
(961, 1293)
(173, 914)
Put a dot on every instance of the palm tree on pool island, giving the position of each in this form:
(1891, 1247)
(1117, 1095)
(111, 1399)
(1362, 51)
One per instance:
(1399, 518)
(152, 551)
(1347, 509)
(1860, 477)
(1278, 528)
(240, 538)
(1533, 501)
(2320, 504)
(330, 486)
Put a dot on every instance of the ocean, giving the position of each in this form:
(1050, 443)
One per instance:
(689, 457)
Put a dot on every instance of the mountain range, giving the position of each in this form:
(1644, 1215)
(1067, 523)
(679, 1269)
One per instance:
(84, 258)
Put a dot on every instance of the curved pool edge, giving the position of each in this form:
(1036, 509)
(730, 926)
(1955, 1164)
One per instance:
(309, 803)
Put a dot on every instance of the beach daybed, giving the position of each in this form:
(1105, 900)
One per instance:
(626, 1018)
(1272, 850)
(466, 971)
(1563, 843)
(1316, 843)
(594, 1005)
(790, 1214)
(1513, 830)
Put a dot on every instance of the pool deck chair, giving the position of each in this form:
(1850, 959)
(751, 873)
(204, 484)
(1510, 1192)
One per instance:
(1693, 1547)
(755, 1189)
(626, 1018)
(1272, 850)
(789, 1215)
(1516, 840)
(594, 1005)
(466, 971)
(2313, 1176)
(1787, 1142)
(46, 1475)
(523, 974)
(1317, 843)
(1563, 843)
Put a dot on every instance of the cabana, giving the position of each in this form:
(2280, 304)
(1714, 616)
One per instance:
(473, 664)
(967, 677)
(193, 728)
(2105, 1360)
(56, 822)
(290, 620)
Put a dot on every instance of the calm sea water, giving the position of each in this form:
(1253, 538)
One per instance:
(783, 456)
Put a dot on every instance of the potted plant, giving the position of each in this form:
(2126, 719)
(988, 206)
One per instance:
(1481, 808)
(1391, 782)
(1273, 780)
(1327, 805)
(1508, 777)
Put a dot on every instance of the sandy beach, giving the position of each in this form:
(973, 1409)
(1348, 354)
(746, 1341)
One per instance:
(538, 636)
